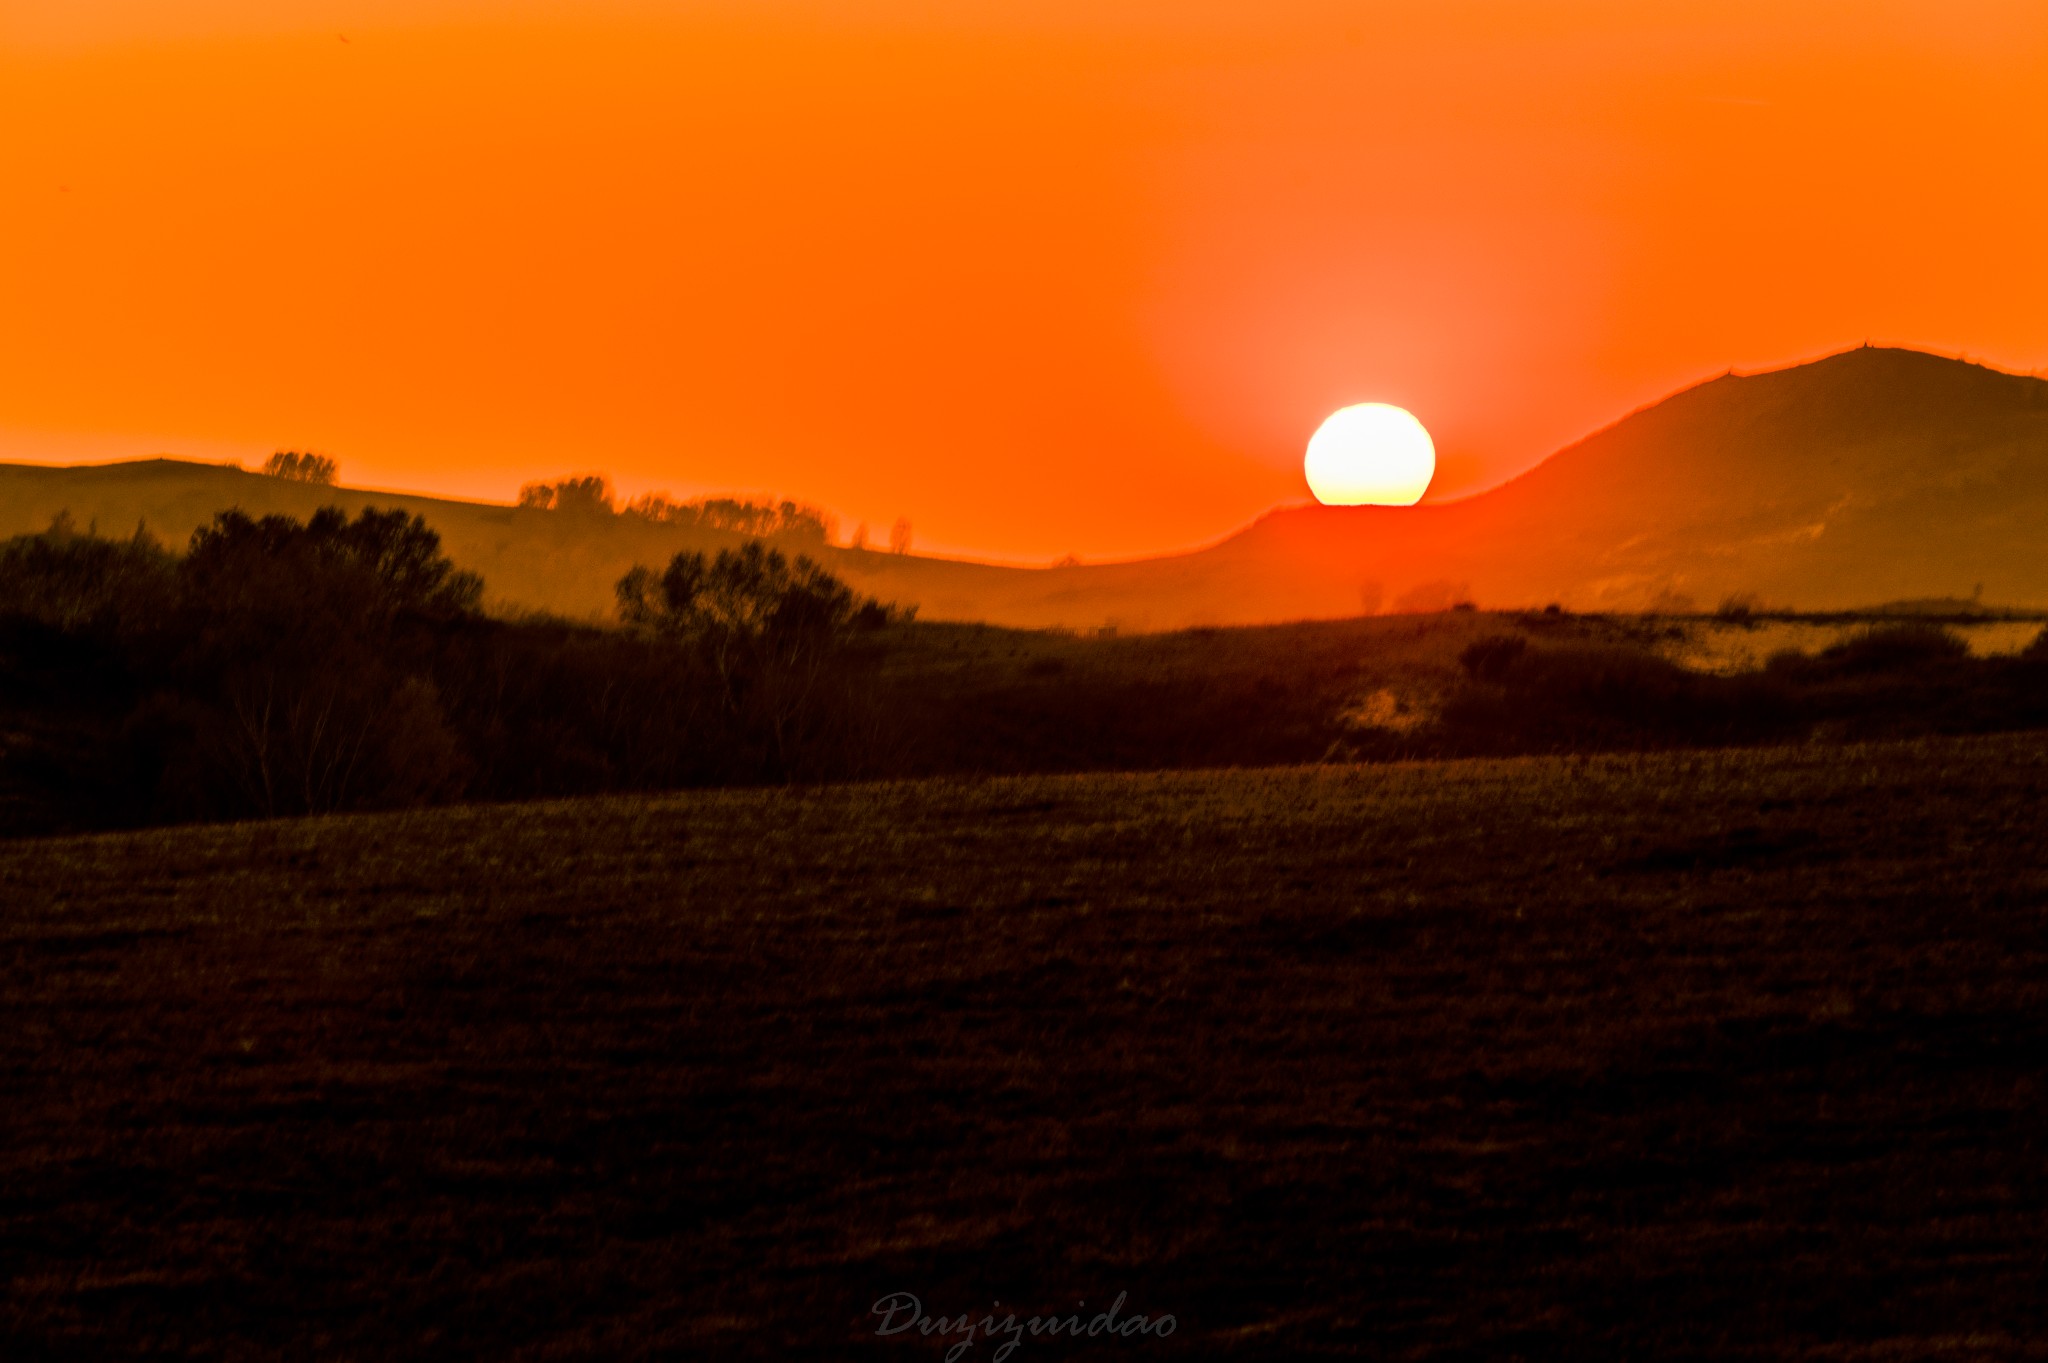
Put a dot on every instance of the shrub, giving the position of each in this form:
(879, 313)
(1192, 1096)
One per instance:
(310, 648)
(72, 581)
(1553, 698)
(1891, 648)
(300, 467)
(1739, 608)
(752, 593)
(383, 563)
(742, 516)
(775, 632)
(588, 494)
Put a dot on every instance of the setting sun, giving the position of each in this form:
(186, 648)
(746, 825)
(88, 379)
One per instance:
(1371, 454)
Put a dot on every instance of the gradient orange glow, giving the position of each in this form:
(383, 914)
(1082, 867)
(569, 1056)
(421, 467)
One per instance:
(1044, 277)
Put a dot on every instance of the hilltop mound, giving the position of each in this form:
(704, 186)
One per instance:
(1870, 476)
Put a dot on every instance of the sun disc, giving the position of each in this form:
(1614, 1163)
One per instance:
(1373, 454)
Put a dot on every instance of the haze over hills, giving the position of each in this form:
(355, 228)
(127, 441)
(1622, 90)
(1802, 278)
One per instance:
(1871, 476)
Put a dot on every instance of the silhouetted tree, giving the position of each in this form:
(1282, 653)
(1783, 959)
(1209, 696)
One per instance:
(75, 581)
(300, 467)
(382, 562)
(658, 507)
(774, 632)
(783, 519)
(590, 494)
(314, 644)
(1738, 608)
(899, 536)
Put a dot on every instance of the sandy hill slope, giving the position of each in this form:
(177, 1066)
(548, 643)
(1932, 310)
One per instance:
(1871, 476)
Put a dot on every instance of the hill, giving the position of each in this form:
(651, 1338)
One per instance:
(1871, 476)
(1687, 1057)
(530, 560)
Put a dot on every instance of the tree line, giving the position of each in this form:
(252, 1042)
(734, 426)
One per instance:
(280, 666)
(590, 494)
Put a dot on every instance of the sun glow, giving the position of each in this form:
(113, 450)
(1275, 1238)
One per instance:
(1370, 454)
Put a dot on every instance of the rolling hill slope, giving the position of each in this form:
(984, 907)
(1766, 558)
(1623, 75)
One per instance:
(530, 560)
(1870, 476)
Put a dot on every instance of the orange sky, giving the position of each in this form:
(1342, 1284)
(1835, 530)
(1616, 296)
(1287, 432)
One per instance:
(1041, 275)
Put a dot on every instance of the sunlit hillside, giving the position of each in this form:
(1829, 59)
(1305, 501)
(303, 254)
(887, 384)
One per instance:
(1873, 476)
(563, 562)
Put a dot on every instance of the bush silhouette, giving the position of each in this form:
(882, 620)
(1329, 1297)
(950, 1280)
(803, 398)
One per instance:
(311, 646)
(381, 564)
(299, 467)
(1739, 608)
(587, 494)
(1599, 695)
(776, 634)
(1887, 648)
(72, 581)
(783, 519)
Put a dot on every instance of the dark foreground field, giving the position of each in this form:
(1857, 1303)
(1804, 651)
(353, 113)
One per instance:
(1699, 1055)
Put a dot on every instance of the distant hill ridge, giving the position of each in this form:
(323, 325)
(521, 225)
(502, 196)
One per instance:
(1873, 475)
(1869, 476)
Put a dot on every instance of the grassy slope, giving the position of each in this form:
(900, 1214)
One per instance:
(530, 560)
(1675, 1057)
(1872, 476)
